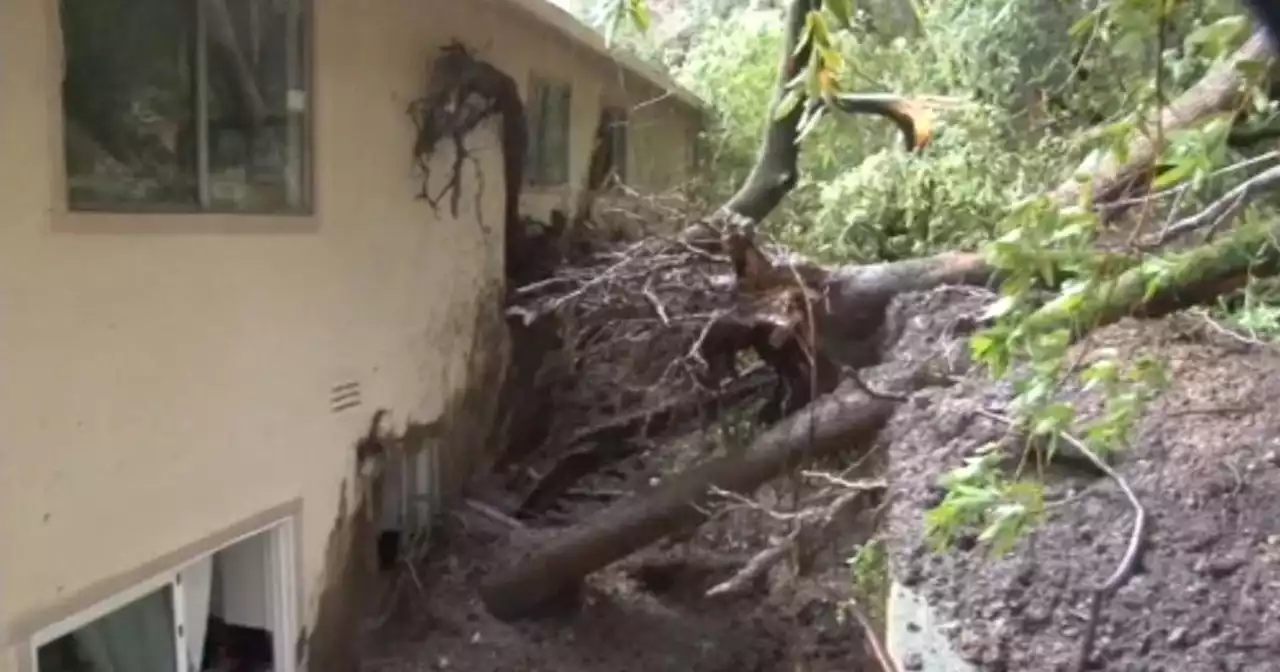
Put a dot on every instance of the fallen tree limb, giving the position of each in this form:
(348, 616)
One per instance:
(821, 519)
(601, 445)
(841, 421)
(850, 316)
(1221, 90)
(1195, 277)
(1224, 209)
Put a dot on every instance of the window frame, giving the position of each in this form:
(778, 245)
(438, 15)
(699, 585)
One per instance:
(536, 165)
(201, 205)
(282, 604)
(618, 118)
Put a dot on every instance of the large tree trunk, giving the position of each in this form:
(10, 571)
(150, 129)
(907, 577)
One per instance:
(839, 422)
(848, 305)
(843, 420)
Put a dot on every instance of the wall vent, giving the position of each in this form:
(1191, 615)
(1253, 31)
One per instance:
(344, 396)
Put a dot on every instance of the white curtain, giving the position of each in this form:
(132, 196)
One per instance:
(197, 590)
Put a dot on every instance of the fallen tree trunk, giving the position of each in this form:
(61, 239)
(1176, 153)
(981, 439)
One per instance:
(842, 310)
(1202, 275)
(844, 420)
(614, 440)
(1222, 89)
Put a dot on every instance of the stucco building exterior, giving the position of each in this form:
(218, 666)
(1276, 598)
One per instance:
(213, 269)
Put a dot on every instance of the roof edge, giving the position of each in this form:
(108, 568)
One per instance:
(570, 27)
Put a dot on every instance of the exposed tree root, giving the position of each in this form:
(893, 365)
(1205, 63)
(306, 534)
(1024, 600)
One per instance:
(463, 91)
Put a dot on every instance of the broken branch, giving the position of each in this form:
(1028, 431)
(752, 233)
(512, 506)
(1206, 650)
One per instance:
(838, 422)
(1224, 209)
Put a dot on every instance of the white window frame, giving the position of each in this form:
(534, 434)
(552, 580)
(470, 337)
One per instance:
(282, 602)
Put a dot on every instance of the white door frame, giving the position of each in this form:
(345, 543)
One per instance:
(281, 603)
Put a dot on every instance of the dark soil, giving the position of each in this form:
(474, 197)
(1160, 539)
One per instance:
(644, 614)
(1204, 464)
(637, 617)
(647, 613)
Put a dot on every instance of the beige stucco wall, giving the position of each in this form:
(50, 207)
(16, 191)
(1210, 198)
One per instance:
(163, 377)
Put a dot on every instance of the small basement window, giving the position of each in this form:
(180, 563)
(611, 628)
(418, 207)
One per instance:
(229, 611)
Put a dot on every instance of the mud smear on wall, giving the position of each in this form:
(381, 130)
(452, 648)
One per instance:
(350, 578)
(470, 427)
(459, 437)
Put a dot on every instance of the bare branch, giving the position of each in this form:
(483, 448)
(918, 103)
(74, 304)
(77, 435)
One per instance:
(1224, 209)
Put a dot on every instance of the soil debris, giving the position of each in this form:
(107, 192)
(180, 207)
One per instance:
(1207, 593)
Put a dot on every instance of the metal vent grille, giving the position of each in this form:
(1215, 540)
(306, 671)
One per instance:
(344, 396)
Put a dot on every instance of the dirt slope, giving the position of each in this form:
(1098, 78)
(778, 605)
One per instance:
(628, 621)
(1205, 464)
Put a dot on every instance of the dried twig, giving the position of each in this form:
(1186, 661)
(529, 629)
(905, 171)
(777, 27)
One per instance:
(1177, 191)
(1224, 209)
(656, 302)
(1127, 563)
(822, 517)
(1227, 331)
(877, 649)
(757, 565)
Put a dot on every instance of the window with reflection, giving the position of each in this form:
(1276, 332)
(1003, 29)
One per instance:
(186, 105)
(548, 114)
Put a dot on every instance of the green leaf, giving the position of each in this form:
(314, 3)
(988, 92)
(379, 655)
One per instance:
(1216, 38)
(1000, 308)
(842, 10)
(820, 31)
(1179, 172)
(806, 35)
(1251, 70)
(809, 123)
(1084, 25)
(797, 81)
(639, 10)
(788, 104)
(832, 58)
(813, 81)
(981, 344)
(1054, 418)
(1047, 270)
